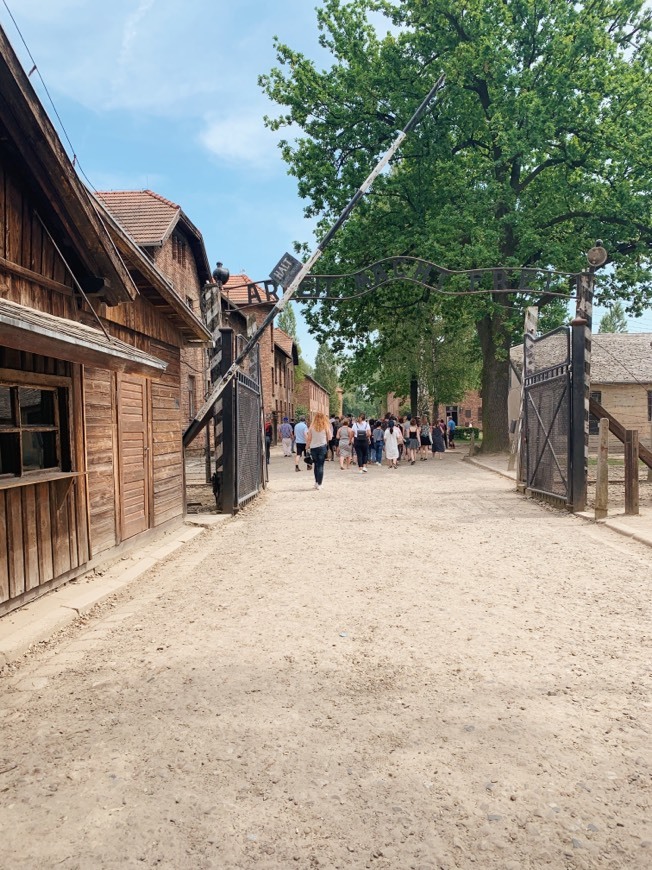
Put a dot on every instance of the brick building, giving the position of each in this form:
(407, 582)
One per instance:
(621, 381)
(286, 357)
(466, 413)
(312, 396)
(278, 351)
(175, 245)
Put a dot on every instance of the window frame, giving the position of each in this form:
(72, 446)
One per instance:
(60, 426)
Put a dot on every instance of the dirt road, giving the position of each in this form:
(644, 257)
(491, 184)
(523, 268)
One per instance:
(408, 669)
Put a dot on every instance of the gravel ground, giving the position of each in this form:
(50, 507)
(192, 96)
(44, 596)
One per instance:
(407, 669)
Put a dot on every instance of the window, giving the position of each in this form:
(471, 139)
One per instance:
(594, 423)
(191, 397)
(190, 302)
(467, 413)
(649, 406)
(178, 250)
(33, 429)
(273, 390)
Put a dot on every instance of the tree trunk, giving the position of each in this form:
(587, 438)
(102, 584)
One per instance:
(414, 397)
(495, 344)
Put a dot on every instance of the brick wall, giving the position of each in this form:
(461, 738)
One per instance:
(313, 397)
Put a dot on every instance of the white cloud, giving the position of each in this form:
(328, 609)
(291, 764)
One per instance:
(242, 138)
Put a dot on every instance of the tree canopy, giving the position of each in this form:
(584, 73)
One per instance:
(538, 145)
(326, 373)
(614, 320)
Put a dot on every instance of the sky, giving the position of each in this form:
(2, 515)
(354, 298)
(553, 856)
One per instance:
(164, 95)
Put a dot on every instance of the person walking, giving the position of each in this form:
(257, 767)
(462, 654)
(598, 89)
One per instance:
(332, 444)
(391, 441)
(285, 431)
(269, 430)
(424, 436)
(317, 438)
(450, 425)
(362, 437)
(413, 441)
(345, 443)
(438, 442)
(300, 431)
(405, 432)
(378, 442)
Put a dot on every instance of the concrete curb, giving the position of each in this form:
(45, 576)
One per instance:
(40, 619)
(508, 475)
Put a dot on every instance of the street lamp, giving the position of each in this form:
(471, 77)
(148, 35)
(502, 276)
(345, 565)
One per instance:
(220, 274)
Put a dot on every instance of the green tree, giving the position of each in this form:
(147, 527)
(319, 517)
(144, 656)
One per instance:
(326, 373)
(287, 321)
(538, 145)
(614, 320)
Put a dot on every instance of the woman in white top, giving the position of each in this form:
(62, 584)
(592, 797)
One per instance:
(362, 437)
(317, 438)
(393, 437)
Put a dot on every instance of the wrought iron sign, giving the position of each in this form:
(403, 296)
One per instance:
(501, 279)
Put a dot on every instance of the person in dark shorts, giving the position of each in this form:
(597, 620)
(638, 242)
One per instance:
(300, 431)
(332, 444)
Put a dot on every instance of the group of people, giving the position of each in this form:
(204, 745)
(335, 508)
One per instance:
(362, 441)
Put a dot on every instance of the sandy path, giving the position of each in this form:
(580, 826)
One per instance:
(411, 669)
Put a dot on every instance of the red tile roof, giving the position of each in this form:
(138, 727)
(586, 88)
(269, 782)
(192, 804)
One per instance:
(241, 290)
(148, 217)
(283, 340)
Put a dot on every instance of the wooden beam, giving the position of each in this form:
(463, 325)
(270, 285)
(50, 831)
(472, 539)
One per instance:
(617, 429)
(10, 268)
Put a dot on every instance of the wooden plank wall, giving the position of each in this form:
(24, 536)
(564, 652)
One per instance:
(99, 406)
(167, 449)
(23, 242)
(39, 534)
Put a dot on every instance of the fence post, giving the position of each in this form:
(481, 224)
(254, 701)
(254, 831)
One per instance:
(227, 488)
(631, 472)
(581, 387)
(602, 474)
(516, 447)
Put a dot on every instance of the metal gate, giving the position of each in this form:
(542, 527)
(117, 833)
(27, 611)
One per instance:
(248, 441)
(240, 460)
(547, 389)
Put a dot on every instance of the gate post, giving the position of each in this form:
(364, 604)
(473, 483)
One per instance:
(631, 472)
(581, 390)
(228, 499)
(602, 472)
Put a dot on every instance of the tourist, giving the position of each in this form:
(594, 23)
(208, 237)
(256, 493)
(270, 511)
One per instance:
(450, 425)
(300, 431)
(405, 431)
(285, 431)
(391, 440)
(362, 437)
(332, 444)
(317, 439)
(412, 441)
(345, 443)
(425, 439)
(444, 432)
(438, 442)
(269, 431)
(378, 441)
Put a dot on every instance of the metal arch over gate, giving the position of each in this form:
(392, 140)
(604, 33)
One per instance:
(547, 385)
